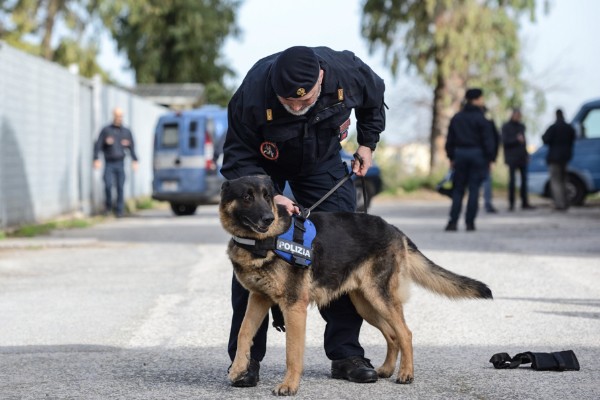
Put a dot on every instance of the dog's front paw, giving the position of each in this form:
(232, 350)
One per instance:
(384, 372)
(237, 371)
(285, 390)
(244, 374)
(405, 378)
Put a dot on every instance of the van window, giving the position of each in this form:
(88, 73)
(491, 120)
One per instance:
(591, 124)
(193, 139)
(170, 136)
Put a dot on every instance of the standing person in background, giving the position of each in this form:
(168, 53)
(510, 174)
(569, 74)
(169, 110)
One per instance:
(113, 140)
(516, 157)
(559, 137)
(470, 148)
(487, 183)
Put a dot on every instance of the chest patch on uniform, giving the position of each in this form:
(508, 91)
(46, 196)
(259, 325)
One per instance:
(269, 150)
(344, 129)
(295, 245)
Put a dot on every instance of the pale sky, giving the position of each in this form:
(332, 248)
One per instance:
(560, 51)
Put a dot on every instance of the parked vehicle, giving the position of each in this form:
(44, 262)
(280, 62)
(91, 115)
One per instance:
(185, 170)
(583, 169)
(186, 167)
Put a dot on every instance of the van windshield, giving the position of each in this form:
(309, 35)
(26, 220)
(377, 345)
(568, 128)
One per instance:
(591, 124)
(170, 135)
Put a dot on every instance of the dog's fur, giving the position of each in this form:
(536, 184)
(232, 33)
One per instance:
(357, 254)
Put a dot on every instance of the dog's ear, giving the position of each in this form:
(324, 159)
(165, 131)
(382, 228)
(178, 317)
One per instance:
(269, 182)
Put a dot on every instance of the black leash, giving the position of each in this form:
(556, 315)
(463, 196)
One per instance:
(305, 212)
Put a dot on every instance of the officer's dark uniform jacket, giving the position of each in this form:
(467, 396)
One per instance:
(470, 129)
(515, 152)
(263, 138)
(112, 143)
(559, 137)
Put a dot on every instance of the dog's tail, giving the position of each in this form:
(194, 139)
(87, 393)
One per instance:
(431, 276)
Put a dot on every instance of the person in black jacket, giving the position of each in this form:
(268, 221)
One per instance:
(114, 140)
(286, 120)
(559, 137)
(516, 157)
(471, 149)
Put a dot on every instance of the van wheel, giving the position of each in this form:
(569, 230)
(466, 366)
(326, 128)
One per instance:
(575, 191)
(183, 209)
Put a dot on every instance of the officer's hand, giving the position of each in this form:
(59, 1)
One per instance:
(290, 207)
(135, 166)
(367, 157)
(97, 164)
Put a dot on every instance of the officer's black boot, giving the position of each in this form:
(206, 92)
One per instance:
(451, 227)
(355, 369)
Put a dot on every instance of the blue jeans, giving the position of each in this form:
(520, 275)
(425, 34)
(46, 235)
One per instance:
(343, 322)
(470, 169)
(114, 174)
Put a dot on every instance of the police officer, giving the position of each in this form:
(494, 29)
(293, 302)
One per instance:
(516, 157)
(113, 141)
(470, 146)
(287, 120)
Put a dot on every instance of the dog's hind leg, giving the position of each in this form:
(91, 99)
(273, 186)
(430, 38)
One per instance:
(406, 373)
(295, 334)
(391, 311)
(258, 306)
(370, 314)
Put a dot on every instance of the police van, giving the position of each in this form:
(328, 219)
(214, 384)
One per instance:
(583, 171)
(185, 167)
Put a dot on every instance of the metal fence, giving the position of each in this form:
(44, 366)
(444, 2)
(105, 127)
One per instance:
(49, 121)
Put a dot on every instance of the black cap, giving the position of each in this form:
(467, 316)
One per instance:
(473, 94)
(295, 72)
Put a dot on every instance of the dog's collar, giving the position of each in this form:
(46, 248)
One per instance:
(257, 247)
(247, 242)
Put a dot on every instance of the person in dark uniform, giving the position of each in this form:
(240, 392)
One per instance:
(559, 138)
(470, 148)
(516, 157)
(286, 120)
(113, 141)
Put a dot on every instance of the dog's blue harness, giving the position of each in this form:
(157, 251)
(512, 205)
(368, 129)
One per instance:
(293, 246)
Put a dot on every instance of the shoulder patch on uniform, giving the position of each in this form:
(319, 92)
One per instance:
(269, 150)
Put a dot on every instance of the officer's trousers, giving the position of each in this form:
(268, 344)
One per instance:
(470, 169)
(343, 322)
(114, 174)
(512, 184)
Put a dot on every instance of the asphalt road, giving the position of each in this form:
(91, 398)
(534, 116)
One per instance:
(138, 308)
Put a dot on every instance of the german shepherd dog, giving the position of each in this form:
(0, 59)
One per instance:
(358, 254)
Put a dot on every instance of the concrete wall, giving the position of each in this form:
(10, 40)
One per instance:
(49, 120)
